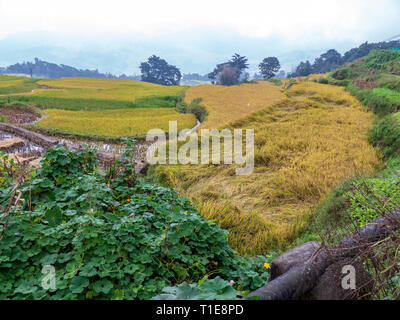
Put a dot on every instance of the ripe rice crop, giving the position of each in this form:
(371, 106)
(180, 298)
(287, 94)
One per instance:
(305, 144)
(16, 85)
(226, 104)
(107, 89)
(89, 93)
(114, 123)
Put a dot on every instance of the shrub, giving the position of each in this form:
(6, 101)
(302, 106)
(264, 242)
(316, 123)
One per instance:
(276, 81)
(199, 111)
(386, 135)
(341, 74)
(378, 100)
(378, 59)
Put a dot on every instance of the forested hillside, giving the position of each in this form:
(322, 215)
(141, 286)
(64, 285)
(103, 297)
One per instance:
(44, 69)
(332, 59)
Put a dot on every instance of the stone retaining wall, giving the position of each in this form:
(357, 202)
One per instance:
(34, 137)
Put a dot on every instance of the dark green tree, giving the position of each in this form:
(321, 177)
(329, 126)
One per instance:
(157, 70)
(240, 62)
(269, 67)
(304, 69)
(327, 62)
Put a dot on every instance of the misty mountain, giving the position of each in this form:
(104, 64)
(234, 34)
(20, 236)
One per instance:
(192, 51)
(44, 69)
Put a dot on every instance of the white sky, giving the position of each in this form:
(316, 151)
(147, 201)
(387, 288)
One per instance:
(350, 19)
(116, 35)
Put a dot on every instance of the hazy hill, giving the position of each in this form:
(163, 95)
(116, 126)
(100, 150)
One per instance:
(44, 69)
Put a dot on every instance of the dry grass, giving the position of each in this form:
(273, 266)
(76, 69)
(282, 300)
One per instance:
(307, 143)
(225, 104)
(115, 123)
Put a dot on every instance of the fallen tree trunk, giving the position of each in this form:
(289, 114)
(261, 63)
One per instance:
(302, 278)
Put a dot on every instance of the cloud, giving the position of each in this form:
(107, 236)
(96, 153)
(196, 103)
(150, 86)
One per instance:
(252, 18)
(117, 35)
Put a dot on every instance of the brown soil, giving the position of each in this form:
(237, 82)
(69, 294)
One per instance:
(365, 83)
(18, 116)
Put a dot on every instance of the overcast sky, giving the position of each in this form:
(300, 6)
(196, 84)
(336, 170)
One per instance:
(197, 25)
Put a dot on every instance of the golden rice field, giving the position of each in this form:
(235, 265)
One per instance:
(108, 89)
(226, 104)
(305, 144)
(313, 76)
(6, 81)
(14, 84)
(115, 123)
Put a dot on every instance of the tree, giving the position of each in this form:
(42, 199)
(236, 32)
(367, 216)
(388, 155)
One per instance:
(157, 70)
(269, 67)
(332, 59)
(327, 62)
(229, 73)
(229, 76)
(304, 69)
(240, 62)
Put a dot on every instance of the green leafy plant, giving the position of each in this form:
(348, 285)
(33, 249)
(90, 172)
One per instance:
(215, 289)
(109, 235)
(369, 196)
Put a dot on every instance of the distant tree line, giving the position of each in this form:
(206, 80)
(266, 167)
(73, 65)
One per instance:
(195, 76)
(332, 59)
(45, 69)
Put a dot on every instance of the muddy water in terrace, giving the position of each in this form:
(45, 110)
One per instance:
(32, 149)
(139, 154)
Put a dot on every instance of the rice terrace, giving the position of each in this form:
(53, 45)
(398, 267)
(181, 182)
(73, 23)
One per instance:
(115, 186)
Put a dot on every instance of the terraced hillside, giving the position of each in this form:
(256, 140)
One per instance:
(97, 107)
(374, 79)
(305, 144)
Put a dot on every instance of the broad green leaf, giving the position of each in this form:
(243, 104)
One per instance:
(54, 216)
(78, 284)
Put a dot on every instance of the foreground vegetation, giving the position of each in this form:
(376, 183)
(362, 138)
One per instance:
(307, 143)
(109, 235)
